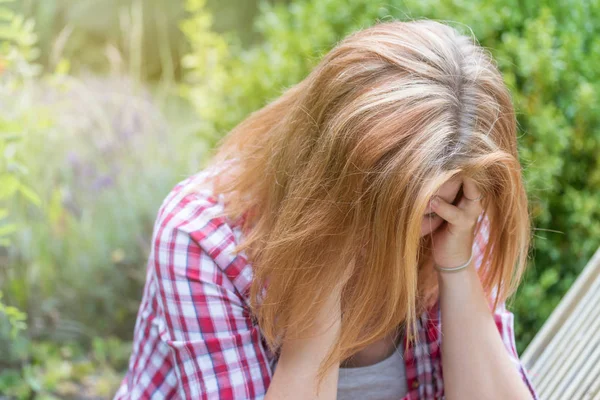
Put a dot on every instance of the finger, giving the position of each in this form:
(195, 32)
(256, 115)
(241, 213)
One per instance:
(446, 211)
(470, 191)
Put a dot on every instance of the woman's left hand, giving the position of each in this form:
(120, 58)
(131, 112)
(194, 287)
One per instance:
(453, 241)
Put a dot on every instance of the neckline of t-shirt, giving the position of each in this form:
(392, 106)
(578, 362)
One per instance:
(396, 354)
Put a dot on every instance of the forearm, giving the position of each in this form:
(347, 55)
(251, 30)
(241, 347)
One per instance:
(295, 375)
(475, 361)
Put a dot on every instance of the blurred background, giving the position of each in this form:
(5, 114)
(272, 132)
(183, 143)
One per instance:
(106, 104)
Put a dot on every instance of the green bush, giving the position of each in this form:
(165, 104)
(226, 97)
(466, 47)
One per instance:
(84, 165)
(78, 266)
(17, 52)
(548, 52)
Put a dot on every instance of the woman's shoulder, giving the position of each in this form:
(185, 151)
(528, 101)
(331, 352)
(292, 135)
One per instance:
(191, 221)
(191, 202)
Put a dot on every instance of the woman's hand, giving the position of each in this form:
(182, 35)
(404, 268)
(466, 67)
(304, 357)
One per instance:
(295, 376)
(453, 241)
(475, 361)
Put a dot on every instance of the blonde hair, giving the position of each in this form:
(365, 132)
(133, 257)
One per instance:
(331, 180)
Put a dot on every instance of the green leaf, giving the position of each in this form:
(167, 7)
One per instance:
(6, 14)
(9, 184)
(30, 195)
(7, 229)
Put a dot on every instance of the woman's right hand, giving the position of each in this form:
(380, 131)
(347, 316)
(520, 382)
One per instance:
(295, 375)
(331, 312)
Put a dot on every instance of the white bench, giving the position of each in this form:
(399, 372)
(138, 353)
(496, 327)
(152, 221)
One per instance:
(563, 359)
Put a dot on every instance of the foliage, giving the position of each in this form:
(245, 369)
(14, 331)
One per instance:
(112, 163)
(68, 371)
(17, 53)
(138, 37)
(20, 375)
(93, 158)
(548, 53)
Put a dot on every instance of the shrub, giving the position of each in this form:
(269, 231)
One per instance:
(92, 158)
(17, 55)
(78, 262)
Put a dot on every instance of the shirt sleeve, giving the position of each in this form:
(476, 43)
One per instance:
(503, 318)
(505, 322)
(215, 349)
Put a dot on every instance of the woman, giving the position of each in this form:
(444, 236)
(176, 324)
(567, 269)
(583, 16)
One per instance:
(308, 262)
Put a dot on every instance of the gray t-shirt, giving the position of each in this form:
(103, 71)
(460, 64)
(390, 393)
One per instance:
(385, 380)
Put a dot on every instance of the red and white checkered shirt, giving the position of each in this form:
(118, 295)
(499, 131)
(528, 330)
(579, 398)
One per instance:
(194, 336)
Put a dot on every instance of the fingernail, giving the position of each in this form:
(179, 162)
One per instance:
(435, 201)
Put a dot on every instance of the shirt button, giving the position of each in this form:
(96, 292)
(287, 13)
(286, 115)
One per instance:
(415, 384)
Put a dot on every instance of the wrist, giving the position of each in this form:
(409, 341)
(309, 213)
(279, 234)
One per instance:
(444, 269)
(461, 277)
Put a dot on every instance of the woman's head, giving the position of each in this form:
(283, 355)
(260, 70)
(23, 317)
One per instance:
(334, 178)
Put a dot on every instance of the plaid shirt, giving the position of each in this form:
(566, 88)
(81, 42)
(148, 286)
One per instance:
(194, 336)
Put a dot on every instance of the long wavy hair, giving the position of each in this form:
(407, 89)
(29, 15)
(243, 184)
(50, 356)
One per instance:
(331, 180)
